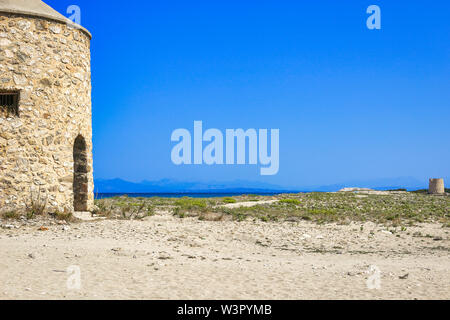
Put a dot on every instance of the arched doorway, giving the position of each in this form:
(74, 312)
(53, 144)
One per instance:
(80, 175)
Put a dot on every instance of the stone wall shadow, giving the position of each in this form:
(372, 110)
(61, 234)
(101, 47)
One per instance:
(80, 175)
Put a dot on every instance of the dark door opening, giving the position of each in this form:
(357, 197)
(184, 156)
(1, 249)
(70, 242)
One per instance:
(80, 175)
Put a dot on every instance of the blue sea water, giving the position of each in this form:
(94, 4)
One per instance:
(181, 195)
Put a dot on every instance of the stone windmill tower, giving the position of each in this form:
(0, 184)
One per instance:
(45, 109)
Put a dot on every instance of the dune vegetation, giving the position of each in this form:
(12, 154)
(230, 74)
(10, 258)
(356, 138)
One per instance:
(392, 208)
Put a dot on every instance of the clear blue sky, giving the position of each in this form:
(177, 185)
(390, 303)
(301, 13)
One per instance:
(350, 103)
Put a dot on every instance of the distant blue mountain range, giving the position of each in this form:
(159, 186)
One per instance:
(240, 186)
(408, 183)
(173, 186)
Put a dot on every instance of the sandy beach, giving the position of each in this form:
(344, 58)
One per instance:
(165, 257)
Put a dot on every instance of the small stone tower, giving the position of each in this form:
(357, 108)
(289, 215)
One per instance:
(436, 186)
(45, 109)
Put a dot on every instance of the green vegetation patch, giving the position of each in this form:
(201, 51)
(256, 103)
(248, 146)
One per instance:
(229, 200)
(294, 202)
(395, 209)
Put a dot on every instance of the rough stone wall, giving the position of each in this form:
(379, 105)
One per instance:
(49, 62)
(436, 186)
